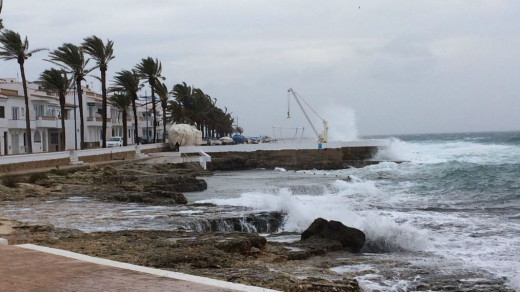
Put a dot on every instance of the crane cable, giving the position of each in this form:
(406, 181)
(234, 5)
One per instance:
(298, 97)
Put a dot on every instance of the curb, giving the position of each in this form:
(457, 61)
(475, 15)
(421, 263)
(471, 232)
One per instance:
(152, 271)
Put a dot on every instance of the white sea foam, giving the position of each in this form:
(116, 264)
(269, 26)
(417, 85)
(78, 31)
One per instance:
(353, 268)
(396, 150)
(440, 152)
(382, 232)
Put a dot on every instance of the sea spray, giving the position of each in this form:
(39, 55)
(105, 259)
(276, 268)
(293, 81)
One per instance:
(383, 234)
(342, 123)
(396, 150)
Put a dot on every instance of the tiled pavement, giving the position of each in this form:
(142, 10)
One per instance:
(26, 270)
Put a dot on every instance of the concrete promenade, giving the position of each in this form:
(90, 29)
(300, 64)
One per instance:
(30, 268)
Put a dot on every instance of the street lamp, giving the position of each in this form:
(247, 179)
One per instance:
(146, 106)
(75, 126)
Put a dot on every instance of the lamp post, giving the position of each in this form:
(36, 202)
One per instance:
(75, 129)
(146, 106)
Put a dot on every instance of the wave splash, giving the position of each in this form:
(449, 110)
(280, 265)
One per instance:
(382, 232)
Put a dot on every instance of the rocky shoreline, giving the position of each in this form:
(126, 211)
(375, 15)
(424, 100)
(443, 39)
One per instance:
(240, 257)
(266, 260)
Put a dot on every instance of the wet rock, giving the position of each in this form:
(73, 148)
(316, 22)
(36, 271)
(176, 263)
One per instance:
(108, 169)
(257, 222)
(323, 232)
(345, 285)
(319, 246)
(175, 184)
(242, 245)
(154, 197)
(299, 255)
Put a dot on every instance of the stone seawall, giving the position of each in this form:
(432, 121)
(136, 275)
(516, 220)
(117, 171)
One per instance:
(15, 167)
(331, 158)
(111, 154)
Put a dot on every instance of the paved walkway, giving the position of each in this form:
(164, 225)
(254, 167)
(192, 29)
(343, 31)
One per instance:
(27, 270)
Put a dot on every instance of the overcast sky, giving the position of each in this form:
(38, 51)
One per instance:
(367, 66)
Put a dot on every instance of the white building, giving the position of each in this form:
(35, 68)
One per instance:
(46, 122)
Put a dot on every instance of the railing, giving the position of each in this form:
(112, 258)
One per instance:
(46, 118)
(202, 158)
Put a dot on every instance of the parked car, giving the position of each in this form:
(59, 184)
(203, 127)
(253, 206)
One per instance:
(115, 141)
(142, 140)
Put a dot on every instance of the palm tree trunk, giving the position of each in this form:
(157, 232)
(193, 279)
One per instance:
(136, 130)
(28, 134)
(62, 109)
(125, 134)
(104, 97)
(154, 116)
(164, 121)
(81, 119)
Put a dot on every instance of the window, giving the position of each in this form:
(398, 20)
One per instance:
(2, 112)
(15, 111)
(39, 110)
(37, 137)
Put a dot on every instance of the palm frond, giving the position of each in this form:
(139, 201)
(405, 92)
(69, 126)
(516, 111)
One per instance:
(56, 81)
(71, 57)
(12, 47)
(98, 51)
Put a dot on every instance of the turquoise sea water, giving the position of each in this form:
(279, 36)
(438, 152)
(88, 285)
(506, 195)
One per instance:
(451, 211)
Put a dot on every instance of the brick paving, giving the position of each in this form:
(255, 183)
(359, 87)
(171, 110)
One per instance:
(24, 270)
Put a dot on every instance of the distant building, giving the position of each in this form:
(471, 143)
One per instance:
(45, 117)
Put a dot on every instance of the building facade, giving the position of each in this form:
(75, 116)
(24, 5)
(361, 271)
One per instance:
(45, 116)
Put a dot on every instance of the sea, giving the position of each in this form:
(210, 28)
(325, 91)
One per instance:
(440, 211)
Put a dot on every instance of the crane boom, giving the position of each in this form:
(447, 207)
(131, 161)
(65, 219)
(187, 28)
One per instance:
(323, 137)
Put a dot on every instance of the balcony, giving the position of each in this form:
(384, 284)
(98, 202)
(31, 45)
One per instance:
(97, 121)
(47, 122)
(16, 124)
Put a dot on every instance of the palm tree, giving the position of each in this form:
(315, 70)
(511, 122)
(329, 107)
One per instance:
(122, 101)
(56, 81)
(150, 70)
(1, 25)
(183, 95)
(128, 82)
(102, 54)
(162, 92)
(71, 58)
(13, 48)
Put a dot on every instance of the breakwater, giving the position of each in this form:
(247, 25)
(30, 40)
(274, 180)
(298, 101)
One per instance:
(295, 159)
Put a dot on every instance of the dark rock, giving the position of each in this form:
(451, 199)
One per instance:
(299, 255)
(319, 246)
(156, 197)
(177, 197)
(322, 231)
(242, 245)
(258, 222)
(176, 184)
